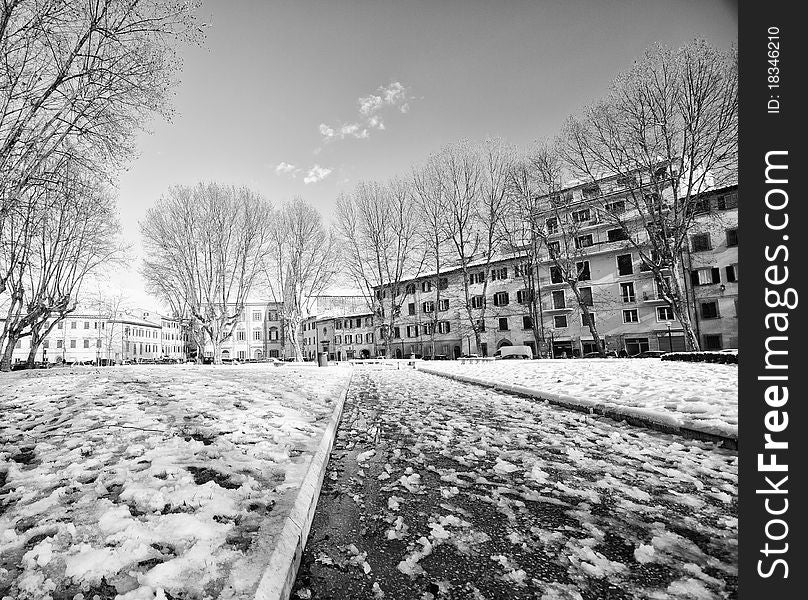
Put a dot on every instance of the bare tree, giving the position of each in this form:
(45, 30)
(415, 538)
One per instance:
(301, 263)
(111, 306)
(70, 230)
(667, 126)
(79, 79)
(204, 250)
(378, 228)
(429, 199)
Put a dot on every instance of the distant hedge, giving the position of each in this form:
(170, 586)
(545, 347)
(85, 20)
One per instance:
(724, 358)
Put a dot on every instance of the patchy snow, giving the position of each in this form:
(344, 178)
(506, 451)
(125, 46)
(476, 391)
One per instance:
(152, 482)
(519, 497)
(703, 396)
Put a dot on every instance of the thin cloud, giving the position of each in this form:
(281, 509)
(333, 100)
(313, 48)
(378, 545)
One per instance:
(285, 168)
(316, 173)
(394, 96)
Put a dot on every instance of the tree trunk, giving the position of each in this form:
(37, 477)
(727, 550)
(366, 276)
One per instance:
(5, 361)
(680, 308)
(32, 353)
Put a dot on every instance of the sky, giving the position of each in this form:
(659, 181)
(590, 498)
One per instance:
(307, 98)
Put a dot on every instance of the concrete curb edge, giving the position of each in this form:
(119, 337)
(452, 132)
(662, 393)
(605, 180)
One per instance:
(632, 418)
(281, 570)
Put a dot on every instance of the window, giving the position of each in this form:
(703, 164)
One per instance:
(257, 335)
(272, 316)
(700, 242)
(348, 338)
(585, 321)
(625, 266)
(18, 344)
(523, 296)
(527, 322)
(583, 241)
(397, 333)
(554, 248)
(411, 308)
(240, 336)
(86, 343)
(552, 225)
(583, 271)
(59, 343)
(503, 324)
(727, 201)
(701, 205)
(626, 181)
(556, 275)
(72, 343)
(560, 321)
(427, 329)
(358, 338)
(273, 333)
(709, 310)
(712, 341)
(477, 301)
(664, 313)
(501, 273)
(443, 304)
(97, 343)
(46, 344)
(480, 325)
(559, 300)
(368, 338)
(444, 327)
(521, 270)
(256, 316)
(586, 296)
(443, 283)
(501, 299)
(337, 339)
(627, 292)
(412, 330)
(705, 276)
(242, 354)
(732, 274)
(615, 235)
(410, 288)
(60, 325)
(478, 277)
(615, 207)
(426, 286)
(590, 191)
(732, 237)
(86, 324)
(631, 316)
(428, 306)
(580, 216)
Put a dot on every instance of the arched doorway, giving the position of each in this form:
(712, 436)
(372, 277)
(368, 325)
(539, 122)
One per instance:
(398, 352)
(457, 352)
(225, 354)
(505, 342)
(365, 353)
(258, 354)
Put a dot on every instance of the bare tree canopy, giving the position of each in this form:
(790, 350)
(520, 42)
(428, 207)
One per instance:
(378, 228)
(301, 263)
(66, 229)
(666, 130)
(77, 80)
(204, 250)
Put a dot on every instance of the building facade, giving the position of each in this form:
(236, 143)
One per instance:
(619, 290)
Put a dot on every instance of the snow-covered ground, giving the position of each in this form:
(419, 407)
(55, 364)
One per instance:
(703, 396)
(441, 490)
(152, 482)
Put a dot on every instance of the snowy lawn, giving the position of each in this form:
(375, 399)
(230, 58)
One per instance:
(702, 396)
(144, 482)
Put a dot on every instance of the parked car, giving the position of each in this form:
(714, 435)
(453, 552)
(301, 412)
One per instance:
(607, 354)
(650, 354)
(513, 352)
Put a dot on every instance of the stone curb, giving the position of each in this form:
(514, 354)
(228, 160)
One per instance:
(279, 574)
(587, 406)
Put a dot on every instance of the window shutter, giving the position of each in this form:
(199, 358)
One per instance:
(716, 275)
(694, 277)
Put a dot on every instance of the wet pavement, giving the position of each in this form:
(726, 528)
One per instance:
(438, 489)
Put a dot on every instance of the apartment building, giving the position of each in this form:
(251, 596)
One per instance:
(258, 334)
(345, 337)
(619, 290)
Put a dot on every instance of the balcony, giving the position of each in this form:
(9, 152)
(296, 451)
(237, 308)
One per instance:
(651, 298)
